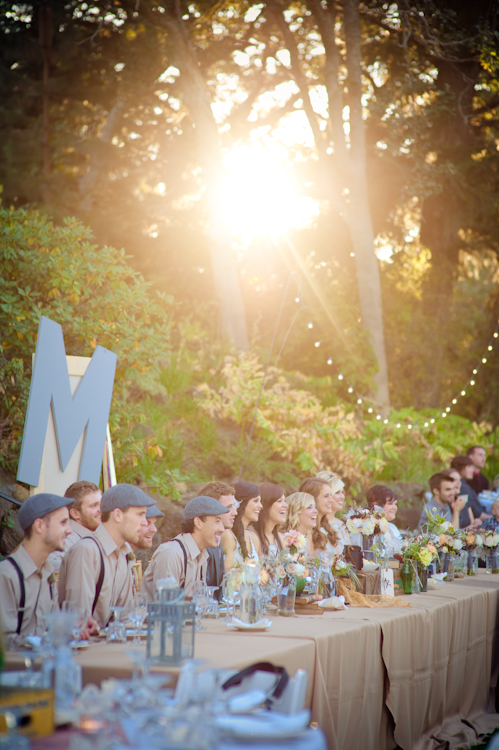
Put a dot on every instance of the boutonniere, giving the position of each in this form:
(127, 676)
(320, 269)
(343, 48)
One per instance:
(130, 556)
(51, 579)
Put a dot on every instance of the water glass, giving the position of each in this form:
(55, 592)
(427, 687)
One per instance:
(116, 631)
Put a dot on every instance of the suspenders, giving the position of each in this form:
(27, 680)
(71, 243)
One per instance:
(100, 579)
(22, 602)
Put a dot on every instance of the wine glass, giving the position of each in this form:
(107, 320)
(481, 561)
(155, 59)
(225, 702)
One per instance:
(230, 593)
(81, 616)
(200, 599)
(137, 614)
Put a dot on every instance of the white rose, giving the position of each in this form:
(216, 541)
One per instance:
(496, 539)
(458, 544)
(383, 525)
(479, 541)
(445, 526)
(368, 528)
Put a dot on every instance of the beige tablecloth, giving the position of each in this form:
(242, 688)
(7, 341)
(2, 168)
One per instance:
(421, 678)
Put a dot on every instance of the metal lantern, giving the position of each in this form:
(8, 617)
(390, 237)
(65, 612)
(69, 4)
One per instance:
(170, 628)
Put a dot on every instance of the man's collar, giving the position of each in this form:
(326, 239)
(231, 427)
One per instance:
(192, 547)
(107, 541)
(27, 564)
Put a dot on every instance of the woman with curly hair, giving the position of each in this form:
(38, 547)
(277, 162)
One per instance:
(383, 497)
(325, 537)
(237, 543)
(338, 499)
(301, 515)
(268, 540)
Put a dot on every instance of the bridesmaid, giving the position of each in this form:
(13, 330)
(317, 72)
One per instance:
(237, 543)
(338, 500)
(265, 532)
(321, 491)
(302, 516)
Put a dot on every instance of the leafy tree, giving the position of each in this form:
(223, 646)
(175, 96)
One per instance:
(98, 299)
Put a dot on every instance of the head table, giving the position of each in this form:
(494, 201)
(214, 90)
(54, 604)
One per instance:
(419, 678)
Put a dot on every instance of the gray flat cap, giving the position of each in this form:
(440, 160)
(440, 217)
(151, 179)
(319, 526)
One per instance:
(203, 506)
(124, 496)
(154, 512)
(37, 506)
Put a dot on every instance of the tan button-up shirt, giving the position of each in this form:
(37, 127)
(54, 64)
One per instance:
(41, 597)
(77, 533)
(168, 560)
(80, 570)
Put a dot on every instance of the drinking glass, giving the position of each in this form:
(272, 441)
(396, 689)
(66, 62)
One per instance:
(137, 614)
(212, 606)
(116, 632)
(230, 593)
(80, 619)
(200, 599)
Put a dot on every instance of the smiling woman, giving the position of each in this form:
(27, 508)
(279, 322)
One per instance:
(260, 196)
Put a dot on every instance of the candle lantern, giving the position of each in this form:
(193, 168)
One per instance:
(170, 628)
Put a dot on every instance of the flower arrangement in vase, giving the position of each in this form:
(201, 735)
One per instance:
(490, 544)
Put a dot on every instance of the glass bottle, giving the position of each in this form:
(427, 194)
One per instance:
(406, 576)
(286, 595)
(251, 603)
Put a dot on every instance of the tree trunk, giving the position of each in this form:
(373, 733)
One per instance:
(198, 100)
(45, 35)
(359, 212)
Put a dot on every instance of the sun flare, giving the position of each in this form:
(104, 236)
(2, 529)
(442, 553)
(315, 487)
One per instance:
(261, 197)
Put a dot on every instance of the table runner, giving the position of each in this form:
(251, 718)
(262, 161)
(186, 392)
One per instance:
(420, 677)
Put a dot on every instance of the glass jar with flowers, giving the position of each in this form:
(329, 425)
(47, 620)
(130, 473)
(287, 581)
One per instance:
(285, 568)
(473, 543)
(296, 543)
(490, 544)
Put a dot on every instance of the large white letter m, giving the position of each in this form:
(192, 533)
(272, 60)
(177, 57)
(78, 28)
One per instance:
(86, 411)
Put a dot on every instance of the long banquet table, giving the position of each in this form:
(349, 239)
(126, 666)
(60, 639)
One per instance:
(420, 678)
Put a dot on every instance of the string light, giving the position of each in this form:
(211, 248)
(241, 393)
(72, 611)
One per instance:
(361, 399)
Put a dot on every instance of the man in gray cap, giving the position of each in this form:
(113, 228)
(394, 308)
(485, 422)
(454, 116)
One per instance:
(84, 516)
(27, 587)
(96, 572)
(185, 557)
(146, 536)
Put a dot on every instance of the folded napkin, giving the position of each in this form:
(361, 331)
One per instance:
(335, 602)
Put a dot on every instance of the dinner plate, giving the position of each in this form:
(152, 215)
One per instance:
(268, 725)
(263, 624)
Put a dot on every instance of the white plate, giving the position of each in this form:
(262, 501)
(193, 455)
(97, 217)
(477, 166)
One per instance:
(264, 726)
(263, 624)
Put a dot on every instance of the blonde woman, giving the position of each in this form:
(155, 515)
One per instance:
(323, 497)
(301, 516)
(338, 500)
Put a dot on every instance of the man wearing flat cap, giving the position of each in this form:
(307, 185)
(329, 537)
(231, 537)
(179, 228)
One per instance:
(146, 536)
(185, 557)
(27, 587)
(96, 572)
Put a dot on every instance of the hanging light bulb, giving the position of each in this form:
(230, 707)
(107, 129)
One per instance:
(359, 400)
(472, 382)
(426, 424)
(385, 421)
(340, 376)
(409, 426)
(484, 359)
(378, 416)
(297, 299)
(350, 389)
(475, 371)
(432, 421)
(454, 400)
(370, 410)
(496, 335)
(448, 408)
(444, 414)
(310, 325)
(330, 361)
(463, 393)
(489, 348)
(317, 344)
(398, 424)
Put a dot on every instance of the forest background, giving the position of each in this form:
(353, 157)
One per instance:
(331, 165)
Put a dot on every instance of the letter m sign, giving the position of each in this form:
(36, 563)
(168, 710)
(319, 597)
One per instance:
(67, 414)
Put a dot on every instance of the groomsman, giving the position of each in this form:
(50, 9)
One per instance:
(84, 516)
(96, 573)
(225, 494)
(27, 586)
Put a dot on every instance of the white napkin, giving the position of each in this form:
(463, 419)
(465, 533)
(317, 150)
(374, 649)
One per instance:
(335, 602)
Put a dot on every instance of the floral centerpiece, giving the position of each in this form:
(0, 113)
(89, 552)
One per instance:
(471, 543)
(367, 523)
(490, 544)
(422, 549)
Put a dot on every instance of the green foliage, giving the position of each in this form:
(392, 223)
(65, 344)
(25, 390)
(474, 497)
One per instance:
(97, 298)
